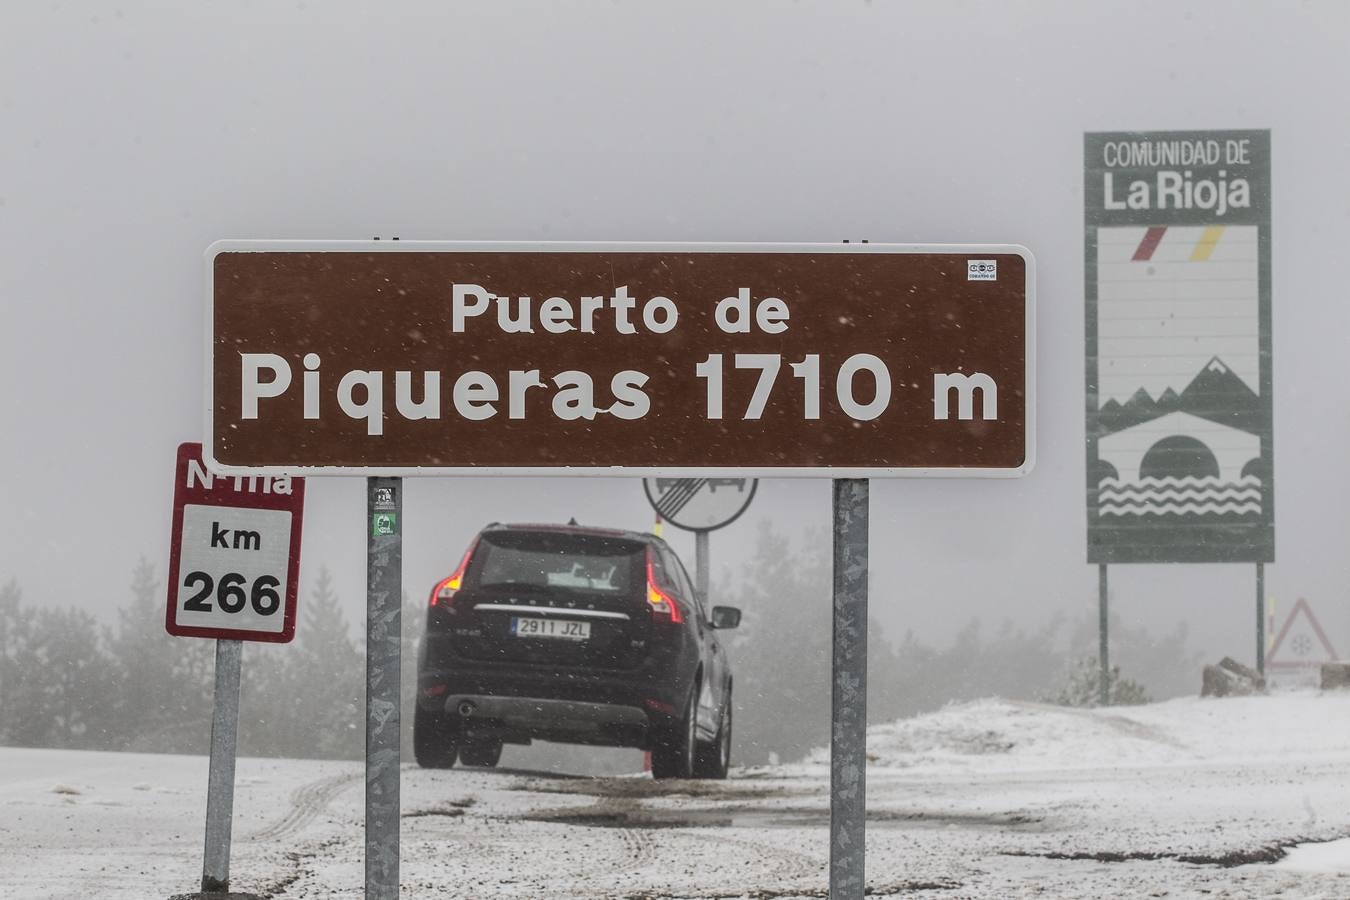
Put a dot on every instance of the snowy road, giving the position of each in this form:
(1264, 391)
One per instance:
(985, 800)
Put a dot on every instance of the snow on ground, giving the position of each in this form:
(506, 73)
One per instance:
(1003, 735)
(1328, 856)
(992, 799)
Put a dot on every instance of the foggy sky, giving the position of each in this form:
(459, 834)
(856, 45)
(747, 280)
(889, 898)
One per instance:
(135, 135)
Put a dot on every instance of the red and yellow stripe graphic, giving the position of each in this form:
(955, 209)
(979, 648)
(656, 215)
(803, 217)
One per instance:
(1204, 248)
(1152, 238)
(1208, 238)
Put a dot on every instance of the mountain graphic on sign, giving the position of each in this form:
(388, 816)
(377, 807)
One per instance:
(1216, 393)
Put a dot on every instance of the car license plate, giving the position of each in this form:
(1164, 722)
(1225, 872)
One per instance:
(550, 628)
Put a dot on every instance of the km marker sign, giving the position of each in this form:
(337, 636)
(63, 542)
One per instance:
(235, 556)
(663, 360)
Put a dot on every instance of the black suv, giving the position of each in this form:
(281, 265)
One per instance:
(579, 635)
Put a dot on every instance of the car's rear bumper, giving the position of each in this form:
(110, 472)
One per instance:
(515, 703)
(523, 718)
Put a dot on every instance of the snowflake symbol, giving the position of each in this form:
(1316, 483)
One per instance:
(1302, 645)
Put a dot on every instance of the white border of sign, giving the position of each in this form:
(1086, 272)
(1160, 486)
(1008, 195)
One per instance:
(292, 246)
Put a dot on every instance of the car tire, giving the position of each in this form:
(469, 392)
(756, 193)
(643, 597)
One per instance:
(484, 754)
(673, 754)
(715, 759)
(433, 740)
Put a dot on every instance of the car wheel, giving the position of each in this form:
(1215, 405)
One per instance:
(673, 755)
(433, 740)
(715, 759)
(480, 753)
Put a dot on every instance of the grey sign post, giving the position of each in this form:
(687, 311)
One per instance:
(1261, 618)
(384, 606)
(848, 704)
(220, 780)
(1103, 640)
(702, 565)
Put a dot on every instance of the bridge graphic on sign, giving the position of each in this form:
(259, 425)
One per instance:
(699, 504)
(1180, 413)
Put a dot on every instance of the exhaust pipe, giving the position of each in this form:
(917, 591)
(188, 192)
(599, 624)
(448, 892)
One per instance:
(466, 708)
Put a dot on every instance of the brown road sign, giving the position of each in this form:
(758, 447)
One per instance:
(848, 360)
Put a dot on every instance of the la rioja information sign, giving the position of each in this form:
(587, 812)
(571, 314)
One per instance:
(1179, 386)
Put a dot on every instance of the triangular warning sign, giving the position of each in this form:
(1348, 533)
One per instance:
(1302, 643)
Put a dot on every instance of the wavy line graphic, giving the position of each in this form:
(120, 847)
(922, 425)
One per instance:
(1176, 509)
(1188, 481)
(1184, 497)
(1181, 495)
(1208, 491)
(1179, 486)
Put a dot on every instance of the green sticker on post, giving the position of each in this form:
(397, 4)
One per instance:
(384, 524)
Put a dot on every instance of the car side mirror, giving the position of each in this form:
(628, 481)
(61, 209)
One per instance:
(725, 617)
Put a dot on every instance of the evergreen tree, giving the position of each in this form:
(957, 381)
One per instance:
(268, 703)
(1013, 663)
(1082, 686)
(75, 696)
(307, 699)
(164, 684)
(780, 655)
(1166, 665)
(20, 678)
(327, 678)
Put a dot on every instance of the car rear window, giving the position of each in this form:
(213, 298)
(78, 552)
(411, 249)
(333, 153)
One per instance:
(554, 560)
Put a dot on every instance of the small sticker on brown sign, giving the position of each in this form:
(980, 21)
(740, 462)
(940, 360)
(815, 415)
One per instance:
(686, 359)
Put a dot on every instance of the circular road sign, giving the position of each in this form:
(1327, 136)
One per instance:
(700, 504)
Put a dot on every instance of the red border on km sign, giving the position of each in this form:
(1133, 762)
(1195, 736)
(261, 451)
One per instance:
(223, 492)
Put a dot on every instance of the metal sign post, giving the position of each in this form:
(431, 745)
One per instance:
(1261, 618)
(702, 566)
(220, 781)
(233, 575)
(1103, 640)
(848, 704)
(384, 607)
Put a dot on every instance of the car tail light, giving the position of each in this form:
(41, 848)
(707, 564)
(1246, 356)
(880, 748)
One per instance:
(443, 594)
(662, 604)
